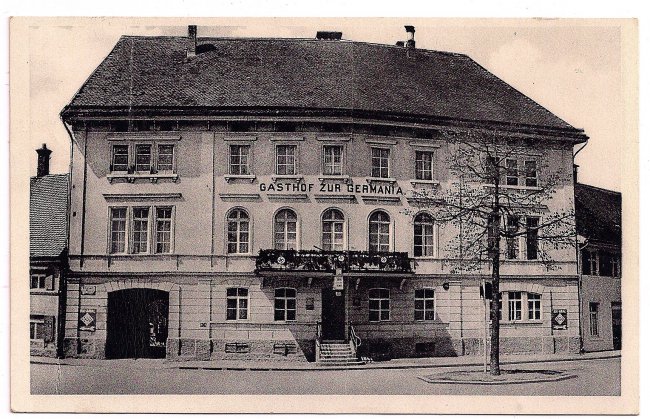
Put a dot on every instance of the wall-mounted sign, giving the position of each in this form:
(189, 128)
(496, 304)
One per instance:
(351, 188)
(88, 320)
(88, 289)
(309, 304)
(559, 319)
(338, 283)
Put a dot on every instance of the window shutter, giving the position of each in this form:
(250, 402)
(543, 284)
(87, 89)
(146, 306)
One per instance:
(49, 282)
(48, 328)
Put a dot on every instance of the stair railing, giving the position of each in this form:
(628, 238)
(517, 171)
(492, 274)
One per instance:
(355, 340)
(319, 339)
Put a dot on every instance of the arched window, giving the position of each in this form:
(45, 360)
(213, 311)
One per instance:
(423, 243)
(238, 231)
(333, 227)
(379, 232)
(285, 230)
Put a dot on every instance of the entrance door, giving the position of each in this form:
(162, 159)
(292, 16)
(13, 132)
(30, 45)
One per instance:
(333, 314)
(617, 325)
(137, 323)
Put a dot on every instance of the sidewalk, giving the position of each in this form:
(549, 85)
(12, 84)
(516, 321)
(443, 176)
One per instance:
(311, 366)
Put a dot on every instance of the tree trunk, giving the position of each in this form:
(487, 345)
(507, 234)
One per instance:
(494, 314)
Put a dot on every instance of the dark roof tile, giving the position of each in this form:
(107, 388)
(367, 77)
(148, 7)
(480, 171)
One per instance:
(48, 215)
(598, 214)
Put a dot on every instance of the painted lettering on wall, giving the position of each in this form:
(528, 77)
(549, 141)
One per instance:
(350, 188)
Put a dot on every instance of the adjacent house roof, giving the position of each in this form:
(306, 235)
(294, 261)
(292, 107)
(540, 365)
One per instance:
(152, 75)
(48, 215)
(598, 214)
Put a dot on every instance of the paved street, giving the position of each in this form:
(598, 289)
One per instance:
(594, 377)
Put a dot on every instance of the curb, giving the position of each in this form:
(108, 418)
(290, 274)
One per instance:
(561, 377)
(372, 366)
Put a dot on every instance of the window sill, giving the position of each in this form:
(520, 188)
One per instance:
(522, 323)
(295, 178)
(34, 291)
(372, 179)
(230, 178)
(131, 177)
(335, 178)
(514, 187)
(415, 182)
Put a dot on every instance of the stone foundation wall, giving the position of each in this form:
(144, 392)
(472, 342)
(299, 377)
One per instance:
(248, 350)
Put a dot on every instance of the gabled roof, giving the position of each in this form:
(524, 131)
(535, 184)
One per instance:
(149, 75)
(48, 215)
(598, 214)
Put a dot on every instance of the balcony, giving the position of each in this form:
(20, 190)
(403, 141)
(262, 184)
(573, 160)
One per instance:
(350, 261)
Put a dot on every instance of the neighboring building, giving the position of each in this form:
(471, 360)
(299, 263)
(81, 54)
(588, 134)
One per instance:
(246, 198)
(48, 235)
(598, 224)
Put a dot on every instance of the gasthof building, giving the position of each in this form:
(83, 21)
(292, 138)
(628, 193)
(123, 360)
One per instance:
(237, 198)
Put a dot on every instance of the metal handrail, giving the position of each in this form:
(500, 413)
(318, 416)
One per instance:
(354, 338)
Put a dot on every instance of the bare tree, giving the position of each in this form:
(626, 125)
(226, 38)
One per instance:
(495, 195)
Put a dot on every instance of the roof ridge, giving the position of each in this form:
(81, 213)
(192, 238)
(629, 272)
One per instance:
(599, 188)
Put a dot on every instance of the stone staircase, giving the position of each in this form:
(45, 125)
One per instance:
(337, 353)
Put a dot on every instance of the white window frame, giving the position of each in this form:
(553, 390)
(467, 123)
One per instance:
(594, 326)
(156, 157)
(285, 310)
(509, 176)
(506, 305)
(131, 143)
(390, 231)
(147, 242)
(286, 231)
(332, 233)
(295, 159)
(171, 228)
(238, 232)
(324, 165)
(239, 298)
(380, 168)
(431, 171)
(534, 305)
(379, 310)
(125, 246)
(515, 306)
(434, 236)
(527, 178)
(34, 321)
(424, 300)
(247, 166)
(128, 157)
(152, 148)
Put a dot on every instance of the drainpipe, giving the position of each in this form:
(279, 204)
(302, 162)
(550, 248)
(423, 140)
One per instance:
(579, 249)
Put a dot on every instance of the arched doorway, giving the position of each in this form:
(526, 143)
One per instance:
(136, 324)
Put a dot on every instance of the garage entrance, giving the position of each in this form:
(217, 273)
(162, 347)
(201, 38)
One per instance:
(136, 324)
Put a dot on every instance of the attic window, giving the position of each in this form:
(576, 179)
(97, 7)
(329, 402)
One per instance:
(200, 49)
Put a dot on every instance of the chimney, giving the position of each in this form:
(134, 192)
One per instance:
(191, 45)
(329, 36)
(410, 40)
(575, 173)
(43, 168)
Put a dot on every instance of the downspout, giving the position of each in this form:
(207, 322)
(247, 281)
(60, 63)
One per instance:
(579, 249)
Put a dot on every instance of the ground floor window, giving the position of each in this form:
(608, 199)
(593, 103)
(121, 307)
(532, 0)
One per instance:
(424, 304)
(378, 304)
(520, 306)
(593, 319)
(285, 304)
(236, 304)
(41, 328)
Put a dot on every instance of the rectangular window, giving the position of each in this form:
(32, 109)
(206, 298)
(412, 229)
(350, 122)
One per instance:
(616, 266)
(332, 160)
(239, 159)
(118, 230)
(236, 304)
(143, 158)
(532, 233)
(512, 172)
(36, 327)
(424, 304)
(140, 230)
(285, 304)
(512, 242)
(165, 158)
(424, 165)
(163, 230)
(380, 162)
(534, 306)
(514, 305)
(120, 158)
(285, 158)
(593, 319)
(378, 304)
(530, 166)
(37, 281)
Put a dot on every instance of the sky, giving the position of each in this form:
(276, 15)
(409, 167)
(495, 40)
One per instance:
(571, 67)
